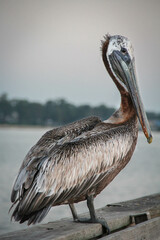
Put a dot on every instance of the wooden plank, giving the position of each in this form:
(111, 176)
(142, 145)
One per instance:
(59, 230)
(149, 230)
(117, 216)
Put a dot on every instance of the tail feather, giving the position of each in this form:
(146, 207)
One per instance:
(13, 195)
(32, 218)
(39, 216)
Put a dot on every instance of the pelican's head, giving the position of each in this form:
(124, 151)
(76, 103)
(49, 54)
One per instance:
(121, 66)
(120, 56)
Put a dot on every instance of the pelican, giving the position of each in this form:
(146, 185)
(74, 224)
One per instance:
(76, 162)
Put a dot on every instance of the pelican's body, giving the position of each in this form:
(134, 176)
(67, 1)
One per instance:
(76, 162)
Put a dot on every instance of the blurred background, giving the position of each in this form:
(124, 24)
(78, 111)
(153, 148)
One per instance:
(51, 73)
(51, 49)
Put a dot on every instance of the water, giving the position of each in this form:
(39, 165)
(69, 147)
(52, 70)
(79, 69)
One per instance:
(140, 177)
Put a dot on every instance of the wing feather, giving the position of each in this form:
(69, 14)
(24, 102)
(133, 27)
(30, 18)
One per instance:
(41, 150)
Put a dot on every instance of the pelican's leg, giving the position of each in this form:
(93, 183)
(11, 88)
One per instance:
(93, 216)
(94, 219)
(74, 212)
(90, 204)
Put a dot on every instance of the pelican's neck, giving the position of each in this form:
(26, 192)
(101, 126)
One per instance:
(124, 113)
(126, 110)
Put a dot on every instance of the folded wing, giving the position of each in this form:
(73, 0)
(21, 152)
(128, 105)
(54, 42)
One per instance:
(64, 173)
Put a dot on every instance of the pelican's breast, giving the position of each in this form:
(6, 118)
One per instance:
(119, 150)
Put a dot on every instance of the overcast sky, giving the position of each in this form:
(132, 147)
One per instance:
(51, 49)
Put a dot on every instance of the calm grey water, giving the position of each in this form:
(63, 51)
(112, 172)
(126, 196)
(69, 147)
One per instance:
(140, 177)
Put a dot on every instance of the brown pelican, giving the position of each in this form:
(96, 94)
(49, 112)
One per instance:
(76, 162)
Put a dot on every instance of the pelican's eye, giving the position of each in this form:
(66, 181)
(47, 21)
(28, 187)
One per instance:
(123, 50)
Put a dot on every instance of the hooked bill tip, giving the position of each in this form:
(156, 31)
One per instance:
(149, 139)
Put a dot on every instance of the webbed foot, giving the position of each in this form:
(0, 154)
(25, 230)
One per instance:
(97, 220)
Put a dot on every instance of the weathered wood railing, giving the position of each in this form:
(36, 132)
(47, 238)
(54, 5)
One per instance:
(135, 219)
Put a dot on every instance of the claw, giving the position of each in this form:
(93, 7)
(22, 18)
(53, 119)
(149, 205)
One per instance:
(104, 225)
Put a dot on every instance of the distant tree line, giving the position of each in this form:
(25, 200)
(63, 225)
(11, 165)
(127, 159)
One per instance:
(57, 112)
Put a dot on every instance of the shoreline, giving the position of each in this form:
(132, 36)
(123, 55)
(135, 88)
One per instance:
(3, 126)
